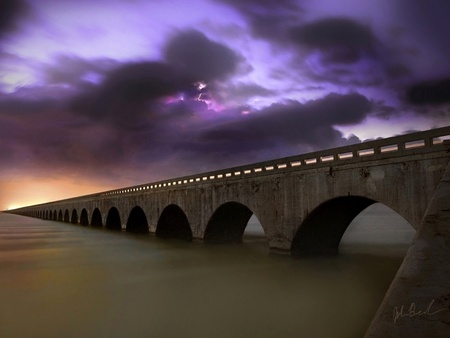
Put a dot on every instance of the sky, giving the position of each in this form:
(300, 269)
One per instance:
(102, 94)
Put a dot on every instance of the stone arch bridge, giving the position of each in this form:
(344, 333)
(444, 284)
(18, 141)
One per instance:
(304, 203)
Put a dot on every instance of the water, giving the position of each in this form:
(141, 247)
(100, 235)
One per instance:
(62, 280)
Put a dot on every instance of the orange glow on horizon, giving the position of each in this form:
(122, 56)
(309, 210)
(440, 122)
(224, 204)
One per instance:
(25, 191)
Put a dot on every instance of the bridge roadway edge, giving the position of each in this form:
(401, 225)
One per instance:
(417, 303)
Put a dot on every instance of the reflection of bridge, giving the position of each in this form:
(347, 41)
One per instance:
(304, 204)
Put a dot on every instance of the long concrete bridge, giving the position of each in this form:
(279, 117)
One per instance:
(304, 204)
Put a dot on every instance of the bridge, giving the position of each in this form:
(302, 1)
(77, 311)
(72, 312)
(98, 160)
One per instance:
(305, 204)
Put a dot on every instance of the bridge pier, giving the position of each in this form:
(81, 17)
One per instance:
(417, 303)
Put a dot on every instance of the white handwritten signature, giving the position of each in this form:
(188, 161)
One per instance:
(412, 312)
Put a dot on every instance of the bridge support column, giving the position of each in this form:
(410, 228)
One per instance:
(417, 303)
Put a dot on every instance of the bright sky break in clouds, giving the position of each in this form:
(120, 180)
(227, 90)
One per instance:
(96, 95)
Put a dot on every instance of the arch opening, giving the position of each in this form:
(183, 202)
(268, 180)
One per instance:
(84, 220)
(378, 230)
(55, 215)
(322, 230)
(137, 221)
(254, 232)
(228, 223)
(60, 216)
(173, 223)
(66, 216)
(74, 217)
(113, 221)
(96, 220)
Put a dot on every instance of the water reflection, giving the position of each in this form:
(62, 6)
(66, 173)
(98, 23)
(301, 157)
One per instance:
(64, 280)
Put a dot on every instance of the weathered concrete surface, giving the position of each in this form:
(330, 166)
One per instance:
(282, 202)
(418, 301)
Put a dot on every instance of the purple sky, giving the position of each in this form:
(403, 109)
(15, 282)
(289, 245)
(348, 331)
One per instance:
(101, 94)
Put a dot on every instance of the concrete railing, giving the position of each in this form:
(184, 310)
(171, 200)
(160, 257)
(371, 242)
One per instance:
(397, 146)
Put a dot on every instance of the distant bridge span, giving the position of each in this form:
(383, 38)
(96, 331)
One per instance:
(304, 204)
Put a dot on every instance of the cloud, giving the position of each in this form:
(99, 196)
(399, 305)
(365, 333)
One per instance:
(334, 50)
(98, 130)
(175, 138)
(17, 107)
(429, 93)
(97, 117)
(10, 12)
(132, 91)
(293, 125)
(200, 57)
(341, 40)
(129, 90)
(74, 71)
(241, 92)
(268, 19)
(428, 22)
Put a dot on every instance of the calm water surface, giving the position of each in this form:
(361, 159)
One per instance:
(63, 280)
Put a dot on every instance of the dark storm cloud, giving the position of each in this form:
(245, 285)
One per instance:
(10, 12)
(308, 125)
(18, 107)
(31, 132)
(109, 125)
(174, 117)
(74, 70)
(428, 21)
(200, 57)
(57, 140)
(335, 50)
(94, 116)
(268, 19)
(132, 90)
(430, 93)
(342, 40)
(128, 90)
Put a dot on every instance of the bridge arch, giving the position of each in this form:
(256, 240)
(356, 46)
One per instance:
(66, 216)
(55, 215)
(113, 221)
(227, 224)
(74, 217)
(60, 216)
(323, 228)
(96, 220)
(84, 220)
(137, 221)
(173, 223)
